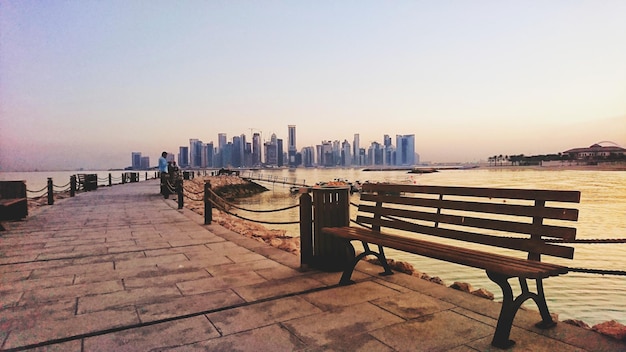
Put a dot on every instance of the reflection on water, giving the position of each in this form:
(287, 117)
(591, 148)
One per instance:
(588, 297)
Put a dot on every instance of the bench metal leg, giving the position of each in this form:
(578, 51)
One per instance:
(510, 307)
(347, 274)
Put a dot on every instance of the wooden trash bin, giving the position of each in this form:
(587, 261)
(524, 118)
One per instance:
(331, 208)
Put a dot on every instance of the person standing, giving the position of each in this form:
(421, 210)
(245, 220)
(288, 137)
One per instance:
(163, 174)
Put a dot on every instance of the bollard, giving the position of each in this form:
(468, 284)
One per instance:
(123, 178)
(306, 230)
(50, 192)
(72, 185)
(179, 193)
(110, 180)
(208, 209)
(146, 176)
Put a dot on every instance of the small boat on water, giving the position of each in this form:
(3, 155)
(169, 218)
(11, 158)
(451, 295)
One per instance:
(423, 171)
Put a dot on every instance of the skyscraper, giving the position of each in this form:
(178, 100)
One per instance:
(256, 150)
(405, 150)
(291, 146)
(183, 156)
(195, 153)
(135, 160)
(346, 155)
(356, 152)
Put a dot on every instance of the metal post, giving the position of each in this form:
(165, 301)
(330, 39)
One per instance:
(208, 209)
(50, 191)
(123, 178)
(306, 230)
(72, 185)
(110, 179)
(179, 193)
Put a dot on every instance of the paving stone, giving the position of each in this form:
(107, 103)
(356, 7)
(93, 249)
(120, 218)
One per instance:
(154, 337)
(165, 278)
(35, 284)
(113, 300)
(219, 283)
(412, 305)
(70, 291)
(70, 269)
(276, 288)
(271, 338)
(186, 305)
(440, 331)
(261, 314)
(150, 261)
(349, 295)
(50, 329)
(340, 324)
(356, 343)
(70, 346)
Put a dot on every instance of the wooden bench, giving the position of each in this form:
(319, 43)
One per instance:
(87, 182)
(13, 201)
(501, 231)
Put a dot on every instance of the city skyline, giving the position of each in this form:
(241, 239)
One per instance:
(83, 84)
(256, 152)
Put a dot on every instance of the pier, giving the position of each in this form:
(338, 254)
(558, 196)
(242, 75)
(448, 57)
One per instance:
(122, 268)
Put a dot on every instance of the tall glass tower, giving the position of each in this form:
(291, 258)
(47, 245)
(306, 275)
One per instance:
(291, 147)
(405, 150)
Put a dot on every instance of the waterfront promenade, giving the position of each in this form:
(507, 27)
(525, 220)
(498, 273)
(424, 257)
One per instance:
(122, 269)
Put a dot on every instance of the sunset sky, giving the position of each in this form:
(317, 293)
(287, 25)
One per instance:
(85, 83)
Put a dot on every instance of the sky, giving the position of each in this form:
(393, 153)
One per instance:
(85, 83)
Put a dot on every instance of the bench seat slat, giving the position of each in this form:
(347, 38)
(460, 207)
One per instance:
(482, 260)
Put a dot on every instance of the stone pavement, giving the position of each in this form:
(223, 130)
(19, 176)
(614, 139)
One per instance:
(121, 269)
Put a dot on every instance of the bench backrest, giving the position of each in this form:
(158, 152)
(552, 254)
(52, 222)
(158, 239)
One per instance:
(518, 219)
(12, 189)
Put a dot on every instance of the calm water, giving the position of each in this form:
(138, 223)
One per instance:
(589, 297)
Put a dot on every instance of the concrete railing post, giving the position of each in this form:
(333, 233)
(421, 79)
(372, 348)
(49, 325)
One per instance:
(50, 191)
(208, 209)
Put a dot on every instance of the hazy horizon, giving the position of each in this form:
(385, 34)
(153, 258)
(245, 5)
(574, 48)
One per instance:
(84, 84)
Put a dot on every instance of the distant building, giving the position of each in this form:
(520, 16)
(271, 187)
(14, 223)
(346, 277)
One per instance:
(135, 160)
(195, 153)
(308, 156)
(356, 150)
(291, 145)
(597, 152)
(183, 156)
(271, 151)
(405, 150)
(145, 162)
